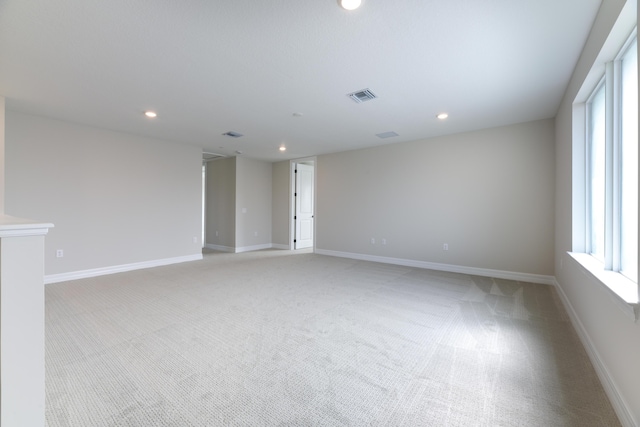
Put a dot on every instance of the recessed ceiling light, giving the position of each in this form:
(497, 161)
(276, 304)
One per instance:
(350, 4)
(150, 114)
(283, 148)
(442, 116)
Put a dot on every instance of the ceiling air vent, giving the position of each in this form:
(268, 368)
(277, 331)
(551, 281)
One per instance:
(384, 135)
(362, 96)
(211, 156)
(232, 134)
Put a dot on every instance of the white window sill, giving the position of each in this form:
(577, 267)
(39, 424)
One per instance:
(622, 290)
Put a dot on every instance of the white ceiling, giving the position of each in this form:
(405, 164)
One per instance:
(211, 66)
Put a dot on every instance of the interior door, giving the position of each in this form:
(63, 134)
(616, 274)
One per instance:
(304, 206)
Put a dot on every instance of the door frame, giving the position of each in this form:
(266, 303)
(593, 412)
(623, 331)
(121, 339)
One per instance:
(292, 200)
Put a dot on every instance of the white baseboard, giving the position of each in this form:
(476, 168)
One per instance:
(253, 248)
(279, 246)
(608, 383)
(499, 274)
(220, 248)
(83, 274)
(241, 249)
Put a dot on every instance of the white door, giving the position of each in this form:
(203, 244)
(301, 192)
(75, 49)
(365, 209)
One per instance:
(304, 207)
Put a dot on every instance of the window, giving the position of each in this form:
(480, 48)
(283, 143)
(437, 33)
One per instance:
(629, 163)
(596, 178)
(612, 165)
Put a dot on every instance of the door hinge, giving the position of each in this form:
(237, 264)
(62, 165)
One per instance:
(295, 217)
(294, 240)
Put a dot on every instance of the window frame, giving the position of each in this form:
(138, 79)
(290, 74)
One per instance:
(618, 152)
(611, 83)
(625, 290)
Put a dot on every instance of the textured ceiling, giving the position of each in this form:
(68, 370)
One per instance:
(208, 67)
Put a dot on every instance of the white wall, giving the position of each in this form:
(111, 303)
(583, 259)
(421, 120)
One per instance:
(612, 338)
(114, 198)
(221, 203)
(253, 203)
(488, 194)
(281, 209)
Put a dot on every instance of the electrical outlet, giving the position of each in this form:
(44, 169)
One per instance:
(445, 247)
(384, 241)
(373, 241)
(216, 234)
(59, 253)
(195, 239)
(255, 234)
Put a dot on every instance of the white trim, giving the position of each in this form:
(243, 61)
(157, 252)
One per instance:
(11, 226)
(24, 232)
(608, 383)
(499, 274)
(253, 248)
(231, 249)
(292, 203)
(83, 274)
(220, 248)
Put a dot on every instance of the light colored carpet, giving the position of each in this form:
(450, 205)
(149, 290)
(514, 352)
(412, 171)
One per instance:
(277, 338)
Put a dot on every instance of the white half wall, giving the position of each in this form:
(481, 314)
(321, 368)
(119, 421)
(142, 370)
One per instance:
(22, 331)
(116, 199)
(488, 195)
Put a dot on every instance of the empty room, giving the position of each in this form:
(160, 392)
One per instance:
(327, 213)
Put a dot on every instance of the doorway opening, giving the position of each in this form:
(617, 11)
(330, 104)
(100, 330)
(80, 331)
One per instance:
(303, 177)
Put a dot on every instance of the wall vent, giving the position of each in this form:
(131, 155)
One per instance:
(362, 95)
(384, 135)
(232, 134)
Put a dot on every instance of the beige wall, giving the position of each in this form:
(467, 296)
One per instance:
(2, 150)
(253, 203)
(610, 335)
(281, 208)
(487, 194)
(221, 202)
(114, 198)
(239, 204)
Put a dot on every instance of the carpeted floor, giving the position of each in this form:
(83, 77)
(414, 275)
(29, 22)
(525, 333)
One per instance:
(277, 338)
